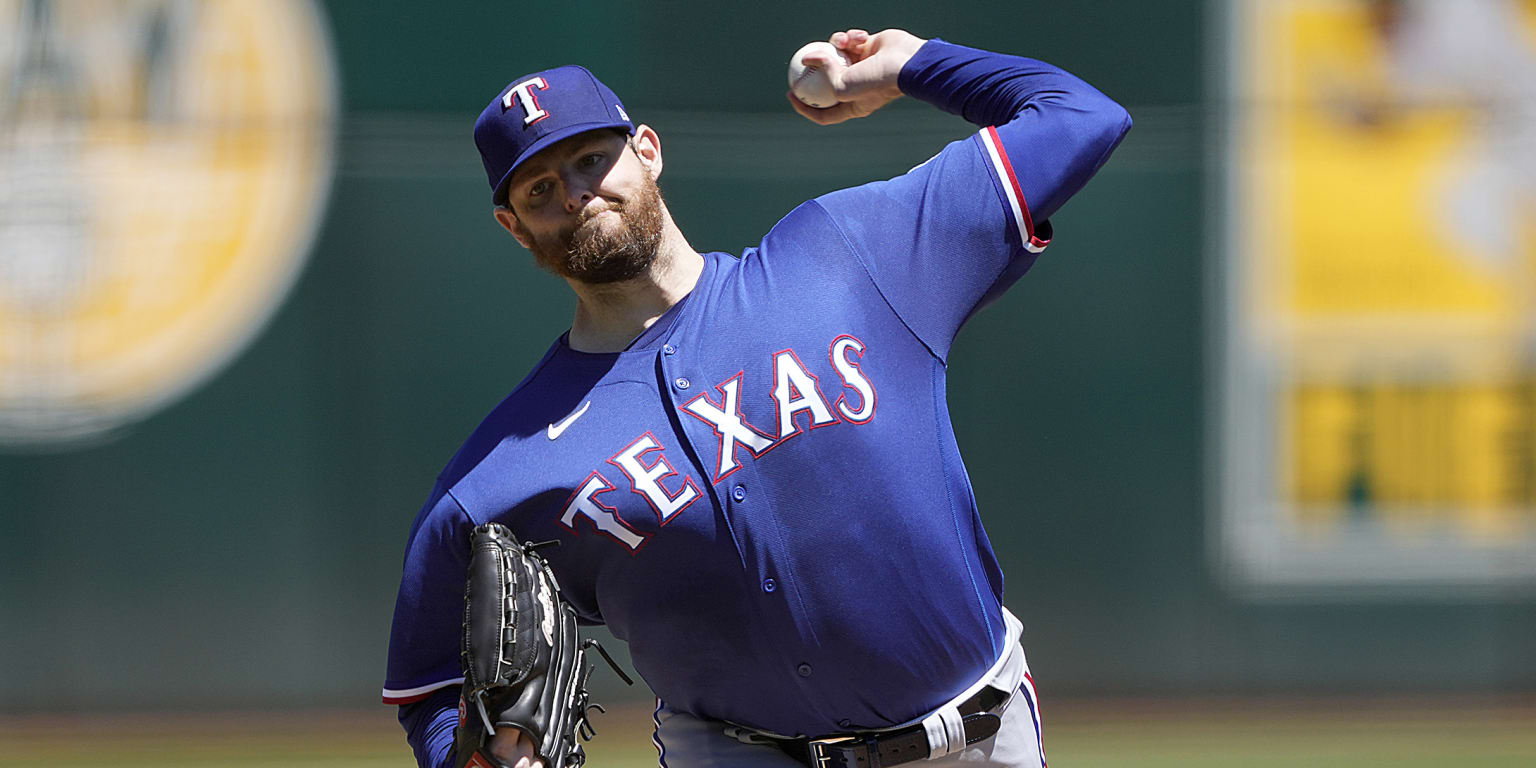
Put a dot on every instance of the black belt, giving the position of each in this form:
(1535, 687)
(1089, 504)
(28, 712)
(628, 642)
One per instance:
(887, 748)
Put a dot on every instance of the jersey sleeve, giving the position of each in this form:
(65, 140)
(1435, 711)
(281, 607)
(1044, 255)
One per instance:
(424, 639)
(953, 233)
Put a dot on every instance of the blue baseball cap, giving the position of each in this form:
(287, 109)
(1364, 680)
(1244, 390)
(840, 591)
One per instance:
(538, 110)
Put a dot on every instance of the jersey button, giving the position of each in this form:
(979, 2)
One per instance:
(682, 383)
(668, 349)
(845, 723)
(804, 670)
(739, 493)
(770, 585)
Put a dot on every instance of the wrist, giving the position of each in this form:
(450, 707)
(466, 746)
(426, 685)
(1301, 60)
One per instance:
(906, 49)
(910, 45)
(912, 72)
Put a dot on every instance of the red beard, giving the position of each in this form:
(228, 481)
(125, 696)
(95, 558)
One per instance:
(596, 253)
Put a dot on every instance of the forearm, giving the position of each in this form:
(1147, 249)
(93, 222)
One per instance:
(989, 88)
(429, 727)
(1061, 126)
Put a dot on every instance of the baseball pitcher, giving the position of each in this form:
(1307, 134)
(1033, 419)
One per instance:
(743, 464)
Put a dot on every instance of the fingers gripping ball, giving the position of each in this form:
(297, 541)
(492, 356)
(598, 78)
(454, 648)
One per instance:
(812, 83)
(524, 667)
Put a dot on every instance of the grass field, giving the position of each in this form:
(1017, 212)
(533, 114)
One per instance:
(1330, 733)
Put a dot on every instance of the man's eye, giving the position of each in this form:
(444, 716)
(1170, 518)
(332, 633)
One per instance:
(538, 189)
(592, 159)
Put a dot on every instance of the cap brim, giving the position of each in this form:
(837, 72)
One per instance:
(499, 195)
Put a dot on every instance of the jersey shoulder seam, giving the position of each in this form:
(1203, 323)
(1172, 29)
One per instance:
(457, 502)
(870, 275)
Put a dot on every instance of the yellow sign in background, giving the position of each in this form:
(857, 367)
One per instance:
(1385, 164)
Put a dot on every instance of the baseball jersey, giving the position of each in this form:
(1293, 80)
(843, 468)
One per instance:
(763, 494)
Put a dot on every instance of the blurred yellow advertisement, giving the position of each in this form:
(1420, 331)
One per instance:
(1378, 290)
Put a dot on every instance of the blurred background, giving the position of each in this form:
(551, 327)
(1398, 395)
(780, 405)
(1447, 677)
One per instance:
(1257, 435)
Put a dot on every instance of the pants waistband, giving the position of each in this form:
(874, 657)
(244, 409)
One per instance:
(965, 719)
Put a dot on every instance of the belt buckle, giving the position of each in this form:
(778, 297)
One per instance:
(819, 756)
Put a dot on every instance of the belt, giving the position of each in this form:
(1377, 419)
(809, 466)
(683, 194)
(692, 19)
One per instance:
(903, 745)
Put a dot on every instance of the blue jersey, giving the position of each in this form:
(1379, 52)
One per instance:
(763, 495)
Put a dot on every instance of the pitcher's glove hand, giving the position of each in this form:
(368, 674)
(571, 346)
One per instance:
(524, 666)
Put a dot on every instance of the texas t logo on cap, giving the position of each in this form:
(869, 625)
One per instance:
(522, 93)
(538, 110)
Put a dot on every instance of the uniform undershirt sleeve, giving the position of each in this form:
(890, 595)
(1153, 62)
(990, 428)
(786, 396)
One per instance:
(1056, 129)
(953, 233)
(429, 727)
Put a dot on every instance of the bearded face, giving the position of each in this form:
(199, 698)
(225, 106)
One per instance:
(609, 242)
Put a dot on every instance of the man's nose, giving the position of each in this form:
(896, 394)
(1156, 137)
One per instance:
(576, 197)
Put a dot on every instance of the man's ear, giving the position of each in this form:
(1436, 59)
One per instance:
(647, 147)
(508, 221)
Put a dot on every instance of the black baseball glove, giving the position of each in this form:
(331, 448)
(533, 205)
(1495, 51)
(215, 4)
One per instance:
(524, 666)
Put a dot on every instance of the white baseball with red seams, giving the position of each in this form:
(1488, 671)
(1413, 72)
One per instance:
(813, 85)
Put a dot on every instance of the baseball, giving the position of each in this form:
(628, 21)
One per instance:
(813, 85)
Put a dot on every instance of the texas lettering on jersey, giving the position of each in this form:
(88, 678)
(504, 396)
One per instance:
(795, 391)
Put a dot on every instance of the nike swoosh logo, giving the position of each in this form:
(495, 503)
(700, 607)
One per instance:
(555, 430)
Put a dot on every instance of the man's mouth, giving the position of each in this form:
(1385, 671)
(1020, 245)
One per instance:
(587, 227)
